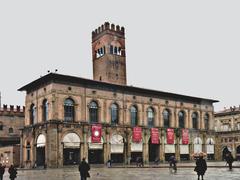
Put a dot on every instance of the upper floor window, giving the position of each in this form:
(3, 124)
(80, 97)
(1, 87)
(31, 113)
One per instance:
(114, 114)
(115, 50)
(134, 118)
(69, 110)
(28, 147)
(206, 121)
(194, 120)
(181, 118)
(93, 112)
(45, 110)
(150, 117)
(32, 114)
(166, 118)
(100, 52)
(10, 130)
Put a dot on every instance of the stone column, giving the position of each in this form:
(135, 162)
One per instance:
(145, 147)
(177, 146)
(162, 154)
(51, 145)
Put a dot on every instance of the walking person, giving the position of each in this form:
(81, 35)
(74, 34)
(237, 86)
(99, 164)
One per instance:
(13, 172)
(229, 160)
(201, 167)
(172, 163)
(2, 170)
(83, 168)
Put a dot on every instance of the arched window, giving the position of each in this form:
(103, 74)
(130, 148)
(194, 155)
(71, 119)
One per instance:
(93, 112)
(45, 110)
(134, 118)
(32, 114)
(69, 110)
(181, 118)
(114, 114)
(194, 120)
(10, 130)
(150, 117)
(166, 118)
(28, 147)
(206, 121)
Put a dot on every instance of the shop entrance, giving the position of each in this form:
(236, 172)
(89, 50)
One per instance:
(40, 159)
(153, 151)
(71, 156)
(135, 156)
(95, 156)
(117, 158)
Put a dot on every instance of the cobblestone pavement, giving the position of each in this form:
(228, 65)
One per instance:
(126, 174)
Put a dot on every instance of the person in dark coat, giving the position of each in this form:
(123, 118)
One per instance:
(83, 168)
(13, 172)
(172, 163)
(201, 167)
(2, 170)
(229, 159)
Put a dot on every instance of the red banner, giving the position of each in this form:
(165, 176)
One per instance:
(170, 136)
(185, 137)
(154, 136)
(137, 134)
(96, 133)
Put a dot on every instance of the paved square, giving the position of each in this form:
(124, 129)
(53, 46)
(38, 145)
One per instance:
(126, 174)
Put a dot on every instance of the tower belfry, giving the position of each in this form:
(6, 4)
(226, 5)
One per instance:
(108, 54)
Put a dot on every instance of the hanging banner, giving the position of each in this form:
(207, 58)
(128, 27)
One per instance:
(170, 136)
(185, 137)
(137, 134)
(154, 136)
(96, 133)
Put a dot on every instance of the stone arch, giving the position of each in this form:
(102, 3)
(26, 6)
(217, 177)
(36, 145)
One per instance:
(71, 139)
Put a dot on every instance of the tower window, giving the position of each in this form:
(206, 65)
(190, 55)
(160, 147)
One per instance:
(100, 52)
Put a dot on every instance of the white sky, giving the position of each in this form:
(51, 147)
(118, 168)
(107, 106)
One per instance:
(186, 47)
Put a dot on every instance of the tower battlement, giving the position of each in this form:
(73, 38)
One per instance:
(108, 27)
(11, 109)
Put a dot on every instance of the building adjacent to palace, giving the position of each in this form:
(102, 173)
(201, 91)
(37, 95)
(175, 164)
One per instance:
(227, 127)
(11, 121)
(63, 111)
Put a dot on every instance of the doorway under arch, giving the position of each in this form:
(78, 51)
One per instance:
(40, 150)
(71, 149)
(153, 151)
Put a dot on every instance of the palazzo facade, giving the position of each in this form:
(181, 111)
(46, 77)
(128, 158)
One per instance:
(227, 127)
(61, 111)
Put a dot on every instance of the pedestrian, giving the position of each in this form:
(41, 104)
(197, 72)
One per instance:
(109, 163)
(2, 170)
(173, 163)
(201, 167)
(83, 168)
(229, 160)
(13, 172)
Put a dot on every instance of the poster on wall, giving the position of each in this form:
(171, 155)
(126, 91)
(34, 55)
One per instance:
(96, 133)
(154, 136)
(170, 136)
(137, 134)
(185, 137)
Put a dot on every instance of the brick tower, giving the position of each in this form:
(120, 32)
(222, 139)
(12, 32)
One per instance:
(108, 54)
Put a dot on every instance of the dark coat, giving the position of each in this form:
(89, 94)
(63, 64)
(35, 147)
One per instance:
(13, 172)
(201, 166)
(2, 170)
(229, 159)
(83, 169)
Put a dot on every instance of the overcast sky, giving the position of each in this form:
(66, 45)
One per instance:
(186, 47)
